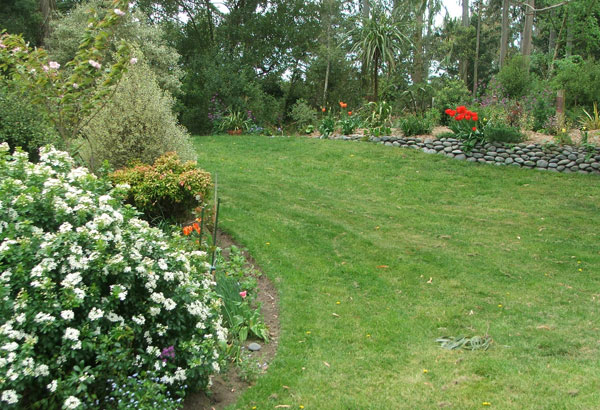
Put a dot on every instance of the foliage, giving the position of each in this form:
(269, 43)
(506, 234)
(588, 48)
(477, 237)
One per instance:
(415, 125)
(579, 78)
(148, 40)
(93, 298)
(379, 118)
(169, 189)
(562, 137)
(451, 94)
(21, 125)
(499, 132)
(327, 126)
(237, 287)
(591, 121)
(67, 97)
(303, 114)
(349, 123)
(137, 124)
(515, 77)
(234, 120)
(22, 17)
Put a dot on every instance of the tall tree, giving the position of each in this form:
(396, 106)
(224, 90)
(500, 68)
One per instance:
(465, 22)
(477, 46)
(526, 44)
(378, 40)
(504, 33)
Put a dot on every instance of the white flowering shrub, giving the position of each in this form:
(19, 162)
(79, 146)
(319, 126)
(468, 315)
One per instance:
(97, 309)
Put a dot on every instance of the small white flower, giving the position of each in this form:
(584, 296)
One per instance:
(169, 304)
(72, 402)
(10, 347)
(71, 334)
(95, 64)
(140, 320)
(10, 396)
(54, 65)
(95, 314)
(42, 317)
(133, 61)
(75, 86)
(119, 12)
(67, 314)
(52, 386)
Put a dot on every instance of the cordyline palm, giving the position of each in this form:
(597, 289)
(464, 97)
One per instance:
(378, 40)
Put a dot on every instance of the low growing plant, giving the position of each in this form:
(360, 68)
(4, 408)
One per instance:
(97, 306)
(415, 125)
(327, 126)
(494, 132)
(465, 126)
(591, 121)
(378, 118)
(169, 189)
(349, 123)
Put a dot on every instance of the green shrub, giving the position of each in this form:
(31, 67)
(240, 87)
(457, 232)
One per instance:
(168, 190)
(21, 125)
(137, 124)
(515, 77)
(348, 124)
(415, 125)
(452, 93)
(495, 132)
(96, 305)
(327, 126)
(303, 114)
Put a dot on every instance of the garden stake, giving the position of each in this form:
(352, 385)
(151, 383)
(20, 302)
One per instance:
(214, 247)
(201, 224)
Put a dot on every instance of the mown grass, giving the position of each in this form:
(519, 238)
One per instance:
(378, 251)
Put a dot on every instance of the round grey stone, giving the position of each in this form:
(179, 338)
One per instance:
(460, 156)
(542, 164)
(254, 347)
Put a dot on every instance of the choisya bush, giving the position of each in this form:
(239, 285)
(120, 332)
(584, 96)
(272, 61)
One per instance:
(137, 124)
(169, 189)
(97, 309)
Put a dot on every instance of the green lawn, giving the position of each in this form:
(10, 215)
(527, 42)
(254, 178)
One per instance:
(404, 247)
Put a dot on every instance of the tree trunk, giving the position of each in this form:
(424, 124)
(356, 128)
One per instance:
(552, 34)
(504, 35)
(465, 23)
(327, 21)
(569, 47)
(47, 7)
(526, 44)
(376, 76)
(366, 9)
(417, 73)
(477, 45)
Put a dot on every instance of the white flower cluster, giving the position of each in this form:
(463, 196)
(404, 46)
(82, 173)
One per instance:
(82, 268)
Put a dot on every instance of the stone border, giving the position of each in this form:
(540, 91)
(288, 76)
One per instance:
(566, 158)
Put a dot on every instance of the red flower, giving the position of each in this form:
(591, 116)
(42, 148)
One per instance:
(349, 112)
(187, 230)
(459, 117)
(196, 227)
(475, 117)
(461, 109)
(468, 116)
(474, 128)
(450, 112)
(323, 109)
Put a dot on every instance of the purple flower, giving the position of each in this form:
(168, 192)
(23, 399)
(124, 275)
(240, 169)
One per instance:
(167, 352)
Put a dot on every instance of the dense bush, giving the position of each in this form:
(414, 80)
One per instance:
(453, 93)
(149, 40)
(515, 77)
(415, 125)
(21, 125)
(137, 124)
(169, 189)
(498, 132)
(303, 115)
(97, 309)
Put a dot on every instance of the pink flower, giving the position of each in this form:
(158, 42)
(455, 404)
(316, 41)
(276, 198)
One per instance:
(45, 68)
(95, 64)
(54, 65)
(119, 12)
(243, 294)
(75, 85)
(133, 61)
(2, 45)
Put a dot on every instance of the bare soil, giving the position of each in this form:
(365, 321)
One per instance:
(227, 387)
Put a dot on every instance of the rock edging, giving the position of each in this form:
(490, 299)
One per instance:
(566, 158)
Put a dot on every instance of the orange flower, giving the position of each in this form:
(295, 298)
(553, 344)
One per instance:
(343, 104)
(196, 227)
(349, 112)
(323, 109)
(187, 230)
